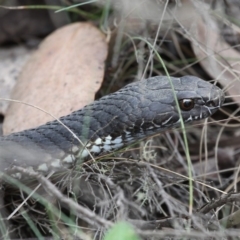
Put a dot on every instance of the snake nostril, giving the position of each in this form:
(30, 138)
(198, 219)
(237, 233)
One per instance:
(211, 104)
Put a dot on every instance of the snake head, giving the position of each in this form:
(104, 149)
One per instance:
(164, 97)
(197, 99)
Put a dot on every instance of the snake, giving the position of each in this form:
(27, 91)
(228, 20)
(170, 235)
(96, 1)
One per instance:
(138, 110)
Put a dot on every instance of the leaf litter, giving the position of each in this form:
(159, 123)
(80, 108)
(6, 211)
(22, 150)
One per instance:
(151, 194)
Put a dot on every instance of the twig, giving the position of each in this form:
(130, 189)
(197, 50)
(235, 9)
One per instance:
(80, 211)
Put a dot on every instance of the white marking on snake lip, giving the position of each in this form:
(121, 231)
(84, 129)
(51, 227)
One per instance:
(56, 163)
(156, 125)
(43, 167)
(165, 122)
(178, 121)
(189, 119)
(69, 159)
(208, 110)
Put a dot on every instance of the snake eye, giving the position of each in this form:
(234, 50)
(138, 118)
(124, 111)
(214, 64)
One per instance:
(186, 104)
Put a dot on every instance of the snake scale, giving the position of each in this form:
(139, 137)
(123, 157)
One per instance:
(136, 111)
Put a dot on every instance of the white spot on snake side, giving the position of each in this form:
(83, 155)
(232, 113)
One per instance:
(117, 140)
(56, 163)
(98, 141)
(108, 140)
(84, 153)
(95, 149)
(128, 134)
(17, 175)
(75, 149)
(68, 159)
(107, 147)
(129, 139)
(43, 167)
(108, 137)
(117, 146)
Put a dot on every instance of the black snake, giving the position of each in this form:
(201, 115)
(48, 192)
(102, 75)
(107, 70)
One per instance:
(134, 112)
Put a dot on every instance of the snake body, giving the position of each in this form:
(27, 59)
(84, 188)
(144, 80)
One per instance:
(138, 110)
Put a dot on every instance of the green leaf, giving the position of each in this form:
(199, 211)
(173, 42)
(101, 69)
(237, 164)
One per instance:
(121, 231)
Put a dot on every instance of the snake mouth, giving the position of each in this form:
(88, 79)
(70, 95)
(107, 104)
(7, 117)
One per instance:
(219, 99)
(216, 102)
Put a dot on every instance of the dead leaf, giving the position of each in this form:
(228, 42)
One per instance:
(62, 76)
